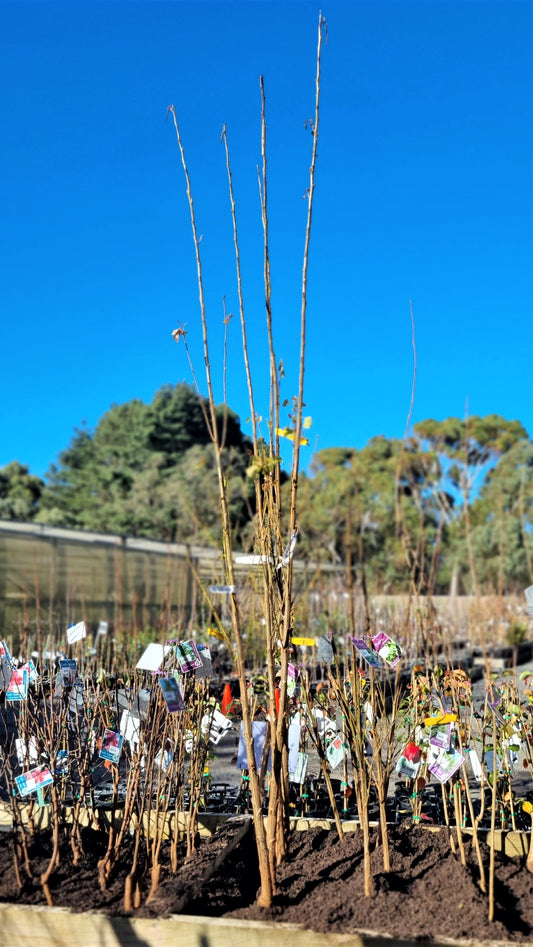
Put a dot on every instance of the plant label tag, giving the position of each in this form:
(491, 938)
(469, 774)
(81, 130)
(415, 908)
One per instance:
(4, 652)
(111, 746)
(335, 752)
(365, 650)
(475, 764)
(325, 651)
(130, 727)
(446, 764)
(298, 775)
(171, 694)
(164, 758)
(76, 632)
(324, 723)
(388, 650)
(17, 688)
(216, 724)
(407, 768)
(206, 670)
(188, 657)
(68, 669)
(5, 674)
(152, 657)
(440, 736)
(33, 780)
(292, 677)
(259, 728)
(294, 745)
(32, 671)
(27, 752)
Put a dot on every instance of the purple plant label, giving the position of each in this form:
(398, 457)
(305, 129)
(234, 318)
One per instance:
(188, 657)
(388, 650)
(445, 765)
(366, 651)
(171, 694)
(440, 736)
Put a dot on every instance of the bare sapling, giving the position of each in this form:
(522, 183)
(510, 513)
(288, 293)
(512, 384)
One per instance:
(200, 726)
(352, 706)
(278, 606)
(461, 697)
(21, 859)
(382, 732)
(212, 423)
(494, 787)
(313, 728)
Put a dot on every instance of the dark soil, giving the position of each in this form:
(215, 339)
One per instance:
(77, 887)
(427, 895)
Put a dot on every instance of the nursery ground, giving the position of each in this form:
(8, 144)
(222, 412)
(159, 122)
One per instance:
(427, 895)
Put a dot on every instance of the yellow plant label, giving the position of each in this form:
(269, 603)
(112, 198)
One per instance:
(303, 641)
(440, 720)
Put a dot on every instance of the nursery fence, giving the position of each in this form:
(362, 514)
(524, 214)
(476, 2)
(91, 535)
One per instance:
(64, 575)
(55, 575)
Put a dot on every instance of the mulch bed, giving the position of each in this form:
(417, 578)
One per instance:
(427, 895)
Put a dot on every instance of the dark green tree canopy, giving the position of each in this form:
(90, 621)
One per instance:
(454, 497)
(20, 492)
(131, 475)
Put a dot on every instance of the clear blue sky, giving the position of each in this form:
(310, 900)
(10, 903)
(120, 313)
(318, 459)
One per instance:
(423, 192)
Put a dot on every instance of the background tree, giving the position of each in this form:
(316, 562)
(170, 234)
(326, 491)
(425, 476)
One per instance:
(465, 450)
(148, 470)
(20, 492)
(448, 509)
(348, 511)
(502, 522)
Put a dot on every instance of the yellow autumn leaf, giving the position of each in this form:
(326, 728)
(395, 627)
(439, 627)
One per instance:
(215, 633)
(286, 432)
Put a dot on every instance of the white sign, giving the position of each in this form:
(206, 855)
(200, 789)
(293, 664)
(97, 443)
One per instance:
(153, 657)
(76, 632)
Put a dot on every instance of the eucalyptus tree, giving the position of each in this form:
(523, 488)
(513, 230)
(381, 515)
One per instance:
(465, 450)
(502, 522)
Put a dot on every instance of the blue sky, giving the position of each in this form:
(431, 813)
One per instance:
(423, 192)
